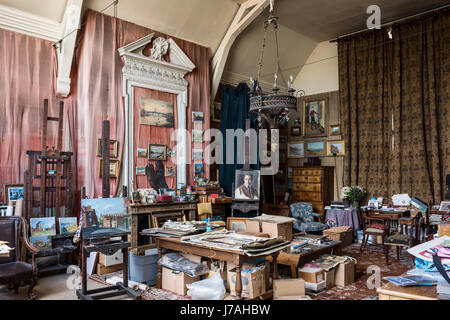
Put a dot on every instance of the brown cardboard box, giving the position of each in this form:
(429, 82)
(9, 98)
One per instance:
(275, 226)
(330, 278)
(344, 234)
(253, 284)
(345, 274)
(310, 274)
(292, 288)
(444, 230)
(176, 281)
(192, 257)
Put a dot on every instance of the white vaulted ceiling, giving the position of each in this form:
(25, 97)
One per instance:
(303, 24)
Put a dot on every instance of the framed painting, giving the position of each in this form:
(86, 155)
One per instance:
(113, 168)
(169, 172)
(43, 226)
(248, 183)
(68, 225)
(13, 192)
(197, 136)
(140, 171)
(197, 155)
(237, 224)
(113, 148)
(315, 117)
(296, 150)
(157, 152)
(142, 153)
(315, 148)
(197, 116)
(156, 113)
(216, 106)
(335, 148)
(335, 130)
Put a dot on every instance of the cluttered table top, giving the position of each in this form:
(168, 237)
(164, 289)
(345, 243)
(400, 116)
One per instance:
(410, 293)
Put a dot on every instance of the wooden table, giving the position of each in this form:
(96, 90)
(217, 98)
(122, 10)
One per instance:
(142, 217)
(391, 215)
(392, 292)
(296, 260)
(236, 257)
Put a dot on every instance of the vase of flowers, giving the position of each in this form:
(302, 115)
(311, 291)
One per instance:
(354, 195)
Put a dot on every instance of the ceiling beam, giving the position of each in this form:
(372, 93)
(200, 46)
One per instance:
(247, 12)
(66, 45)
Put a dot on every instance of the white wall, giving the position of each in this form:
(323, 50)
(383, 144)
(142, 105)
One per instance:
(320, 72)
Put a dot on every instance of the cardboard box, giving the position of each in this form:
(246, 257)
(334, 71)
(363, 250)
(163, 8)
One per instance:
(253, 284)
(330, 278)
(112, 260)
(292, 288)
(345, 274)
(192, 257)
(311, 274)
(344, 234)
(316, 287)
(444, 230)
(176, 281)
(274, 226)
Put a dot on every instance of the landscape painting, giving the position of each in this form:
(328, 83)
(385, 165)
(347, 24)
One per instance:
(110, 212)
(315, 149)
(156, 113)
(157, 152)
(296, 150)
(41, 242)
(68, 225)
(43, 226)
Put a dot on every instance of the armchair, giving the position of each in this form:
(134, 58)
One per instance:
(304, 214)
(14, 269)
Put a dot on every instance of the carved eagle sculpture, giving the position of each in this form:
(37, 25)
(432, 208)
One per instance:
(156, 177)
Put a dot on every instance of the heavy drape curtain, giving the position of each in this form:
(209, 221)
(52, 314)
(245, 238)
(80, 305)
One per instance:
(233, 115)
(395, 103)
(28, 71)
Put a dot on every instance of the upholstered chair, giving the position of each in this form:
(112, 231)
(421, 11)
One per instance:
(304, 214)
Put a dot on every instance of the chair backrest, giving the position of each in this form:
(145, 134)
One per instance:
(369, 219)
(204, 209)
(10, 231)
(302, 211)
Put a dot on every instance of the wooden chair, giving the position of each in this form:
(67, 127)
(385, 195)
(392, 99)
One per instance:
(14, 269)
(373, 226)
(407, 236)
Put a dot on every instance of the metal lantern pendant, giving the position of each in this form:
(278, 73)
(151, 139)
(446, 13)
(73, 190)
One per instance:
(272, 109)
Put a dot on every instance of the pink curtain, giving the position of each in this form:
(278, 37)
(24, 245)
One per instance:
(28, 76)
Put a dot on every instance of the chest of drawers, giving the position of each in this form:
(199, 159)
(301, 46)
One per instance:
(314, 185)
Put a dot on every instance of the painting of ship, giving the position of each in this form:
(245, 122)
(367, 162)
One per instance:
(156, 113)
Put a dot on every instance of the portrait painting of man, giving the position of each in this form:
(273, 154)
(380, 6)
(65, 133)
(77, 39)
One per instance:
(247, 185)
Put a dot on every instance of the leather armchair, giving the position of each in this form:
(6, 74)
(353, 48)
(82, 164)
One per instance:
(14, 269)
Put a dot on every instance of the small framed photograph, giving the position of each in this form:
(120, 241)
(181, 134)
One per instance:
(13, 192)
(169, 171)
(113, 148)
(335, 148)
(197, 155)
(296, 150)
(335, 130)
(157, 152)
(445, 206)
(315, 148)
(197, 116)
(216, 106)
(140, 171)
(113, 168)
(197, 136)
(142, 153)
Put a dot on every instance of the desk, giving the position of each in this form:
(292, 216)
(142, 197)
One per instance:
(392, 292)
(296, 260)
(236, 257)
(391, 215)
(142, 218)
(343, 217)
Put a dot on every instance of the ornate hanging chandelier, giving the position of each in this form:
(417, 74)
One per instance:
(272, 109)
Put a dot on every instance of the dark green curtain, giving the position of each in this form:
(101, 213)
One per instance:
(234, 112)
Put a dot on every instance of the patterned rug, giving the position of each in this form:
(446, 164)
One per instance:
(151, 294)
(372, 255)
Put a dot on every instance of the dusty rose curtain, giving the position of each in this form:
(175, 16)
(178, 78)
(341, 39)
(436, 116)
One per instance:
(27, 77)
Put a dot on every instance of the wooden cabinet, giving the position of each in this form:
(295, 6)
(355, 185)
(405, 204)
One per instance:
(314, 185)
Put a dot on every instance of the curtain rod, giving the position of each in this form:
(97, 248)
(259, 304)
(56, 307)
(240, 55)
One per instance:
(392, 22)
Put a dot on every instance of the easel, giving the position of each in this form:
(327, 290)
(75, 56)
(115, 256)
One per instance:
(246, 206)
(51, 169)
(50, 176)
